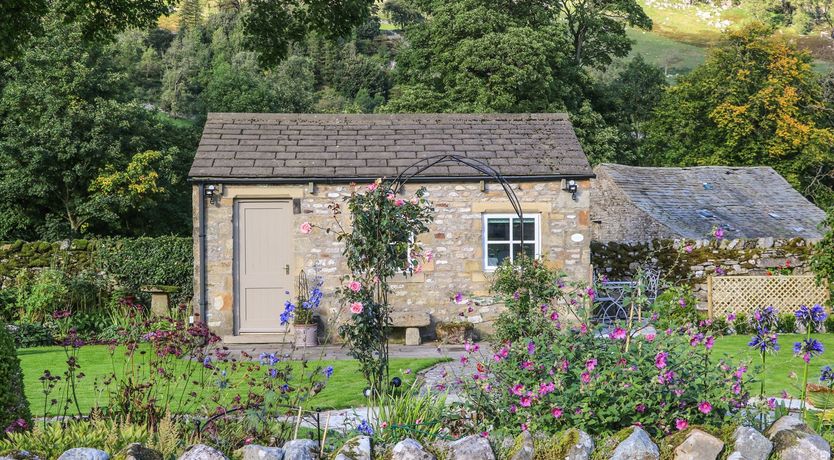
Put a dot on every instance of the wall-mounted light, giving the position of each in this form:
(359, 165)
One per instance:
(570, 187)
(213, 193)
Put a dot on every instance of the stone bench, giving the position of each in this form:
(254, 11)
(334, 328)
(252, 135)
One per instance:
(412, 322)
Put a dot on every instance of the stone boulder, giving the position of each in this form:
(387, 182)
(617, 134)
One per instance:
(749, 444)
(583, 448)
(409, 449)
(638, 446)
(699, 445)
(137, 451)
(470, 448)
(202, 452)
(301, 449)
(256, 452)
(358, 448)
(84, 453)
(526, 447)
(793, 440)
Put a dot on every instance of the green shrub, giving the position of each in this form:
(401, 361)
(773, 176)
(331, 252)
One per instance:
(676, 307)
(786, 323)
(829, 324)
(137, 262)
(53, 439)
(14, 408)
(27, 335)
(741, 325)
(43, 295)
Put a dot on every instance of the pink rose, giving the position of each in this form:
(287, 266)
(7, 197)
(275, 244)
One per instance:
(306, 228)
(399, 202)
(355, 286)
(356, 308)
(372, 186)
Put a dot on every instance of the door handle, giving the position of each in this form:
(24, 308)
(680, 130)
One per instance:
(287, 268)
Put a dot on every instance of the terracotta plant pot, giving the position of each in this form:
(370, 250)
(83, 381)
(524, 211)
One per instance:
(819, 396)
(306, 335)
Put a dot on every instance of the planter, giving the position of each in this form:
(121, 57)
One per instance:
(455, 333)
(820, 397)
(306, 335)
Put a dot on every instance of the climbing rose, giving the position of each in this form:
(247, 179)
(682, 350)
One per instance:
(399, 202)
(306, 228)
(356, 307)
(372, 186)
(355, 286)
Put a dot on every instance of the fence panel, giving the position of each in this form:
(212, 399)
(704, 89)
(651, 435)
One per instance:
(743, 294)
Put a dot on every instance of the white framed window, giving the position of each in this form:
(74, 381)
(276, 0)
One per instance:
(502, 238)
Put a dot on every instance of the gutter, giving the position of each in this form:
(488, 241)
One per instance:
(348, 180)
(202, 252)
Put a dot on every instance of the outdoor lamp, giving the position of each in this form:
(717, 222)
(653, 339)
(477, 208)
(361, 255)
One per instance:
(213, 194)
(571, 187)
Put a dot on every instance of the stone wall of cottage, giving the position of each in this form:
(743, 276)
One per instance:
(455, 241)
(691, 262)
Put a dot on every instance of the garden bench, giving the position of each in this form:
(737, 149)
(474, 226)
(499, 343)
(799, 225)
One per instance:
(160, 296)
(412, 322)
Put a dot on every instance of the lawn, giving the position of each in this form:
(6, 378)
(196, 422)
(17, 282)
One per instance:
(344, 389)
(780, 364)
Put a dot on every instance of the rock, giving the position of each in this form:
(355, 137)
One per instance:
(699, 445)
(202, 452)
(358, 448)
(749, 444)
(84, 453)
(137, 451)
(256, 452)
(471, 448)
(793, 440)
(412, 336)
(638, 446)
(582, 449)
(301, 449)
(410, 318)
(409, 449)
(21, 455)
(526, 449)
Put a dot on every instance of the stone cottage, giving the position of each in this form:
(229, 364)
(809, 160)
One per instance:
(258, 177)
(639, 204)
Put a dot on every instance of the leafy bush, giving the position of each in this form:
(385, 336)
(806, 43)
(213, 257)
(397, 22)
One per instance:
(51, 440)
(829, 324)
(741, 325)
(137, 262)
(27, 335)
(40, 297)
(676, 307)
(786, 323)
(14, 408)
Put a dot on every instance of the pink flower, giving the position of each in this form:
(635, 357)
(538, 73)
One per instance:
(484, 434)
(471, 347)
(556, 412)
(591, 364)
(356, 308)
(418, 268)
(682, 302)
(531, 348)
(585, 377)
(705, 407)
(372, 186)
(709, 342)
(771, 403)
(526, 400)
(718, 233)
(618, 334)
(528, 365)
(681, 424)
(355, 286)
(458, 297)
(306, 228)
(731, 317)
(660, 360)
(688, 248)
(740, 372)
(399, 202)
(583, 328)
(650, 338)
(517, 389)
(564, 365)
(640, 408)
(546, 388)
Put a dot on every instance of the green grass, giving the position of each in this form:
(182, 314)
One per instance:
(673, 56)
(780, 364)
(344, 388)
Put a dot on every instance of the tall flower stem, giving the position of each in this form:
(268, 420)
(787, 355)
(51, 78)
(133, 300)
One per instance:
(802, 406)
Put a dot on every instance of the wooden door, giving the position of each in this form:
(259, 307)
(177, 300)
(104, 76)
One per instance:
(264, 251)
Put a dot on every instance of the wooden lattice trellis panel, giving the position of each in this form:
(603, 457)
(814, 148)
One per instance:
(743, 294)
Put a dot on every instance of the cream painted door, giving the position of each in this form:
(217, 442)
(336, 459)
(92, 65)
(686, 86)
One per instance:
(264, 258)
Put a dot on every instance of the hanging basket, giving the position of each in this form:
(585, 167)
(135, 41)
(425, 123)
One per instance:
(306, 335)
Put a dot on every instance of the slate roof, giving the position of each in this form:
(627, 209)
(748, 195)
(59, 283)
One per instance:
(750, 202)
(341, 148)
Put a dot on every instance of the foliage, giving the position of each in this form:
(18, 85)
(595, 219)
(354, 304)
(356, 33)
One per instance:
(402, 12)
(14, 407)
(410, 412)
(46, 294)
(50, 441)
(787, 323)
(137, 262)
(741, 324)
(307, 305)
(755, 101)
(676, 307)
(822, 257)
(381, 243)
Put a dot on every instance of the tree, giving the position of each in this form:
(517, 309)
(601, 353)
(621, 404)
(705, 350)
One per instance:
(191, 14)
(402, 12)
(22, 20)
(755, 101)
(182, 81)
(64, 120)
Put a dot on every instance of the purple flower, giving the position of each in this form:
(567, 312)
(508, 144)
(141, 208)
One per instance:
(764, 341)
(808, 348)
(328, 371)
(531, 348)
(826, 374)
(660, 360)
(808, 316)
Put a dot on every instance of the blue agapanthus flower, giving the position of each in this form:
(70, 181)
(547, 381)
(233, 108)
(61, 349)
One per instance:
(827, 375)
(814, 315)
(328, 371)
(764, 318)
(808, 348)
(269, 359)
(365, 428)
(764, 341)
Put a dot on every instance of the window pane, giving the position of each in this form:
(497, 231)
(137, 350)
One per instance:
(529, 249)
(496, 253)
(529, 230)
(498, 229)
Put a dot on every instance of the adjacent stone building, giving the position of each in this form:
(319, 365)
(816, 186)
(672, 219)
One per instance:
(258, 177)
(639, 204)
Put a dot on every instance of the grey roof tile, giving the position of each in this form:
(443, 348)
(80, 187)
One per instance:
(298, 147)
